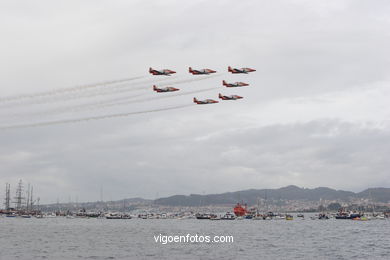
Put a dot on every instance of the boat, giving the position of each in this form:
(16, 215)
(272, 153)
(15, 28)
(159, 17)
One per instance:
(202, 216)
(379, 217)
(289, 217)
(92, 214)
(143, 216)
(50, 215)
(279, 217)
(257, 217)
(361, 218)
(125, 216)
(345, 215)
(113, 216)
(323, 216)
(342, 216)
(214, 217)
(228, 216)
(239, 210)
(301, 216)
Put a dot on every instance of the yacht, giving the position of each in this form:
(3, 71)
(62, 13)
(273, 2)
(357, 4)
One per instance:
(228, 216)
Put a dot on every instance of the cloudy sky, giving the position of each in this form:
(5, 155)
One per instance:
(316, 112)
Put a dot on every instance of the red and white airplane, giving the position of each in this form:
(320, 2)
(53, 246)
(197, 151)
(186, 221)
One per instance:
(204, 102)
(201, 72)
(234, 85)
(232, 97)
(165, 72)
(241, 70)
(166, 89)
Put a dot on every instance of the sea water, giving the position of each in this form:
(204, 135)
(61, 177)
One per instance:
(62, 238)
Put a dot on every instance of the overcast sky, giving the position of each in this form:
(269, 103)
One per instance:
(316, 112)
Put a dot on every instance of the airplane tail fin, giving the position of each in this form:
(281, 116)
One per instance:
(150, 69)
(154, 87)
(189, 69)
(195, 100)
(224, 82)
(229, 68)
(220, 95)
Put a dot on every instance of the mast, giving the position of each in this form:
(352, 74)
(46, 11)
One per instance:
(101, 193)
(31, 198)
(19, 199)
(372, 202)
(7, 196)
(28, 196)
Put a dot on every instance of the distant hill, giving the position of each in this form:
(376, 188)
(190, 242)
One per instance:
(376, 194)
(224, 199)
(286, 193)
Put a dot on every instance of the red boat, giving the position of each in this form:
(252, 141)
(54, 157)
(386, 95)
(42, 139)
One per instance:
(240, 210)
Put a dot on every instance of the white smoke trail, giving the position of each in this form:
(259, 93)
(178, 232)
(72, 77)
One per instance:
(76, 95)
(66, 90)
(78, 108)
(78, 120)
(131, 100)
(123, 88)
(110, 103)
(112, 90)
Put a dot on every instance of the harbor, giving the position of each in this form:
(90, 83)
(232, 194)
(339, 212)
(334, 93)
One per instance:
(27, 206)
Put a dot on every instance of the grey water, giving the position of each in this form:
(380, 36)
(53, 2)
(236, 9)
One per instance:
(62, 238)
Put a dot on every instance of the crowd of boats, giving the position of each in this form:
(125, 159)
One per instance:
(205, 216)
(239, 212)
(288, 216)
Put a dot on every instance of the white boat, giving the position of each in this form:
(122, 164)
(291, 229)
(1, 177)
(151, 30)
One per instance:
(113, 215)
(228, 216)
(50, 215)
(279, 217)
(215, 217)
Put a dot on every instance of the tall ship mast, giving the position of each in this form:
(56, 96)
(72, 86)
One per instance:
(31, 198)
(7, 196)
(19, 198)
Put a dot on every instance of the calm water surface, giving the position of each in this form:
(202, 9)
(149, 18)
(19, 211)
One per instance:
(61, 238)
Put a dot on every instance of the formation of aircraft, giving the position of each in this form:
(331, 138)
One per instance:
(231, 97)
(234, 85)
(241, 70)
(201, 71)
(166, 89)
(204, 102)
(165, 72)
(168, 72)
